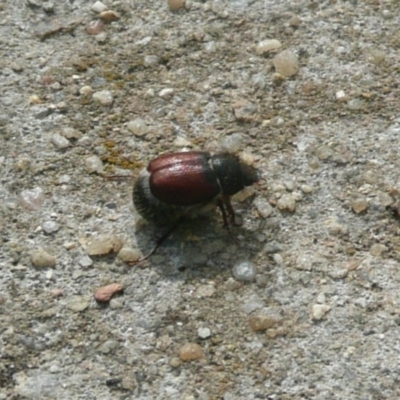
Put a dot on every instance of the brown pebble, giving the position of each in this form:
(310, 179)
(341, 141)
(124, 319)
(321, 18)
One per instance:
(191, 351)
(41, 259)
(359, 205)
(104, 293)
(175, 5)
(109, 16)
(95, 27)
(260, 322)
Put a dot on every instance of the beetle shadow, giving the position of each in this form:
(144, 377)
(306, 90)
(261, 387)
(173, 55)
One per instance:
(199, 247)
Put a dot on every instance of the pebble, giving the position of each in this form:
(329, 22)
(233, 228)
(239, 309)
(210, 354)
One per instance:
(306, 189)
(335, 226)
(232, 143)
(359, 205)
(104, 293)
(109, 16)
(295, 21)
(341, 96)
(244, 271)
(86, 90)
(129, 255)
(103, 97)
(261, 322)
(318, 311)
(355, 104)
(94, 165)
(41, 259)
(377, 249)
(287, 203)
(286, 63)
(137, 126)
(175, 5)
(175, 362)
(104, 244)
(265, 46)
(95, 27)
(166, 93)
(99, 7)
(244, 111)
(150, 60)
(304, 262)
(190, 352)
(71, 133)
(339, 273)
(263, 207)
(32, 199)
(50, 227)
(85, 261)
(203, 333)
(60, 141)
(78, 303)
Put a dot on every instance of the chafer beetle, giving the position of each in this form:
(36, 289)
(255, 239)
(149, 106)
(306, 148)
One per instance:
(177, 185)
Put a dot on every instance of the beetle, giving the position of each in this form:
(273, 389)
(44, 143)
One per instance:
(177, 185)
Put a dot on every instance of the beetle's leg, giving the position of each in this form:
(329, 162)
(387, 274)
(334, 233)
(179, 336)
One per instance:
(221, 205)
(159, 242)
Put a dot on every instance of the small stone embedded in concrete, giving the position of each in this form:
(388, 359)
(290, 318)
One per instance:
(50, 227)
(166, 93)
(244, 271)
(104, 293)
(261, 322)
(41, 259)
(95, 27)
(78, 303)
(129, 255)
(286, 63)
(104, 244)
(263, 207)
(341, 96)
(175, 362)
(175, 5)
(359, 205)
(319, 311)
(203, 333)
(137, 126)
(245, 111)
(232, 143)
(109, 16)
(71, 133)
(99, 7)
(85, 261)
(103, 97)
(86, 90)
(94, 165)
(267, 45)
(377, 249)
(60, 141)
(32, 199)
(190, 352)
(304, 262)
(287, 203)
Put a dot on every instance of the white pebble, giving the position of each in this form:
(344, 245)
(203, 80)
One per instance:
(319, 311)
(203, 333)
(94, 164)
(263, 207)
(32, 199)
(244, 271)
(267, 45)
(60, 141)
(286, 63)
(232, 143)
(137, 126)
(86, 90)
(166, 93)
(50, 227)
(99, 7)
(104, 97)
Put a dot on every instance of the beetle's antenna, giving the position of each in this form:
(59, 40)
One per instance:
(160, 241)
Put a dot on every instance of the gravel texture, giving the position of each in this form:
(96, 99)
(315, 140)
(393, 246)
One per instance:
(308, 91)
